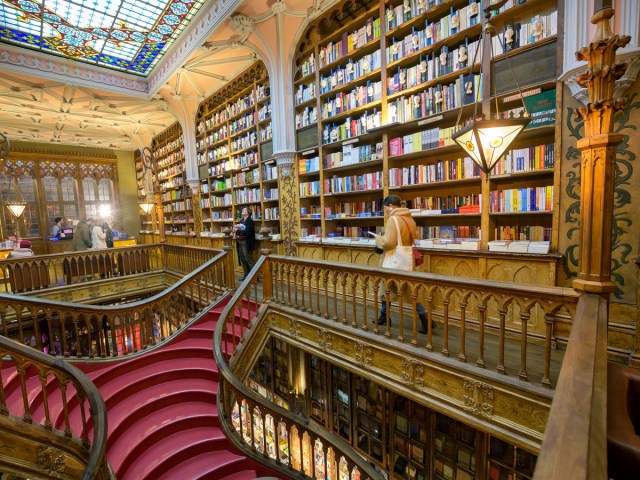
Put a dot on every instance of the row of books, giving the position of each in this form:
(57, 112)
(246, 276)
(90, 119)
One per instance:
(215, 119)
(305, 92)
(246, 178)
(419, 141)
(519, 246)
(170, 171)
(308, 189)
(308, 65)
(221, 184)
(354, 209)
(245, 160)
(308, 165)
(173, 182)
(214, 137)
(353, 183)
(241, 104)
(269, 172)
(272, 213)
(523, 232)
(168, 147)
(351, 127)
(448, 204)
(440, 171)
(449, 232)
(222, 215)
(171, 158)
(222, 201)
(307, 116)
(349, 42)
(536, 199)
(435, 99)
(409, 9)
(266, 133)
(242, 123)
(350, 71)
(539, 157)
(358, 97)
(218, 152)
(431, 67)
(517, 35)
(246, 195)
(246, 141)
(353, 154)
(264, 112)
(269, 194)
(314, 211)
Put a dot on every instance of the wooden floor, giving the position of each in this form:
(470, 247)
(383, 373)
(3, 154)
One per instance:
(512, 355)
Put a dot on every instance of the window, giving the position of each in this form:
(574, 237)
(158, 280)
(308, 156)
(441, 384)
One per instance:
(61, 198)
(98, 197)
(27, 225)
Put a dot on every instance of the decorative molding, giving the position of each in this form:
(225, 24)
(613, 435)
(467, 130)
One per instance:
(20, 60)
(51, 462)
(478, 397)
(285, 161)
(241, 24)
(632, 62)
(363, 354)
(325, 339)
(294, 327)
(413, 373)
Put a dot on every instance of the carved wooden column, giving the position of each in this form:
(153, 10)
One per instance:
(196, 198)
(157, 197)
(289, 200)
(598, 149)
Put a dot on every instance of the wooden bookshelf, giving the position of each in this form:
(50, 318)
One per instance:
(168, 155)
(404, 107)
(234, 145)
(507, 461)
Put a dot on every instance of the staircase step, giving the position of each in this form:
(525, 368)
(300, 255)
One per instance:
(209, 467)
(159, 460)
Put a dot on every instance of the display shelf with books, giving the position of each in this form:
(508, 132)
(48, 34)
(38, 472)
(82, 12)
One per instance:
(370, 412)
(341, 403)
(168, 154)
(506, 461)
(428, 78)
(411, 444)
(455, 450)
(318, 390)
(233, 126)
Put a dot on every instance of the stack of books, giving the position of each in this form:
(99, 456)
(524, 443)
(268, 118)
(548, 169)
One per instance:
(539, 247)
(499, 245)
(518, 246)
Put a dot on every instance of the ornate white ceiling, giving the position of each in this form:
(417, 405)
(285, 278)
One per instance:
(47, 99)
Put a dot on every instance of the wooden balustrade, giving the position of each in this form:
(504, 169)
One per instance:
(279, 439)
(32, 423)
(77, 330)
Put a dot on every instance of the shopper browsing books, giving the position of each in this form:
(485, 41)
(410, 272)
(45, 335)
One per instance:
(245, 241)
(398, 230)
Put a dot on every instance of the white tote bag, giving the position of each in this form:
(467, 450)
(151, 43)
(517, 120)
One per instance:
(401, 257)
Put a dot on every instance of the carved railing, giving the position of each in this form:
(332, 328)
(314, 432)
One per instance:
(277, 438)
(575, 440)
(46, 443)
(491, 317)
(78, 330)
(46, 271)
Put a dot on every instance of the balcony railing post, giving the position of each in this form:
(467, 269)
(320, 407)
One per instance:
(230, 281)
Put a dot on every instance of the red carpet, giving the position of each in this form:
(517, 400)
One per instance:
(162, 413)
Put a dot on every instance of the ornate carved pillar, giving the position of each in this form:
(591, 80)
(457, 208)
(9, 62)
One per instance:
(289, 201)
(157, 197)
(598, 155)
(196, 197)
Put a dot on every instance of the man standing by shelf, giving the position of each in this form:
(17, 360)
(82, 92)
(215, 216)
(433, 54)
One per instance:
(245, 241)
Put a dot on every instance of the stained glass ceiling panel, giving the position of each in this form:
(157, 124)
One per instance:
(126, 35)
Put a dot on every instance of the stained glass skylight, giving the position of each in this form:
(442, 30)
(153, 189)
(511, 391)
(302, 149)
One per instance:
(127, 35)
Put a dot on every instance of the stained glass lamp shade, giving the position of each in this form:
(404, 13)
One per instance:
(16, 208)
(146, 207)
(485, 141)
(126, 35)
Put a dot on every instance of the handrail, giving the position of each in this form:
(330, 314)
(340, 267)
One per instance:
(575, 440)
(64, 328)
(259, 428)
(29, 274)
(65, 374)
(476, 308)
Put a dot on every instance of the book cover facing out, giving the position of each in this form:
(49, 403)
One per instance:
(542, 108)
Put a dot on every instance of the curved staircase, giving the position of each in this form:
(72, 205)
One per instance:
(162, 413)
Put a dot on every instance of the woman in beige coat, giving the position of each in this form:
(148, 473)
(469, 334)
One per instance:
(400, 216)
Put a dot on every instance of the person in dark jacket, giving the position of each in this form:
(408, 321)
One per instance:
(108, 234)
(246, 241)
(81, 237)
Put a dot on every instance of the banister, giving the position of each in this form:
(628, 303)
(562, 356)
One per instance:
(96, 467)
(575, 440)
(231, 390)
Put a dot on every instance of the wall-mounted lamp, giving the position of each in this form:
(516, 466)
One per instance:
(485, 141)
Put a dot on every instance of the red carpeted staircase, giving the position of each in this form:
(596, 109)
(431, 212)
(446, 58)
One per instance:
(162, 413)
